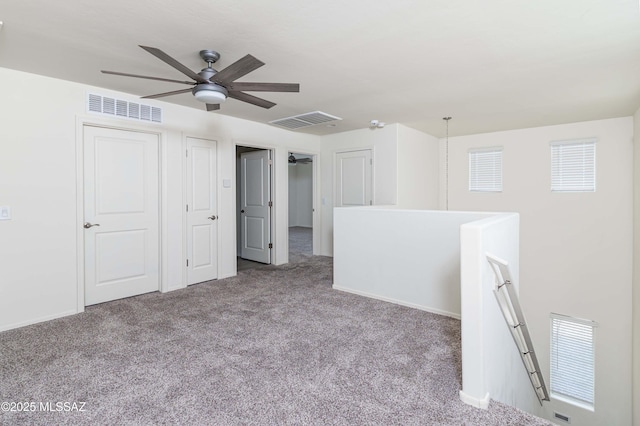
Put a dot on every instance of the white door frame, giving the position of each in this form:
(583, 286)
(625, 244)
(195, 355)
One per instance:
(81, 122)
(274, 196)
(256, 212)
(317, 217)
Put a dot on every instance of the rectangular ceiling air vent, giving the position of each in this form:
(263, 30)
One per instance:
(121, 108)
(304, 120)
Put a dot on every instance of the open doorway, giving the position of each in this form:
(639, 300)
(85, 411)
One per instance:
(254, 203)
(301, 208)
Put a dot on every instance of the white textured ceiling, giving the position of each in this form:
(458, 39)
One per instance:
(491, 65)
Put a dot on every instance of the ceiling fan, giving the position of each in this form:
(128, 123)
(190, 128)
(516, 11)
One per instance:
(213, 87)
(294, 160)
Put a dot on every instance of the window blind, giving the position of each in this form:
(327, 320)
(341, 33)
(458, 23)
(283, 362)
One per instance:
(572, 359)
(573, 166)
(485, 170)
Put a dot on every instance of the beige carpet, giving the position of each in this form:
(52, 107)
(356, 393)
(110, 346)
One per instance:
(274, 345)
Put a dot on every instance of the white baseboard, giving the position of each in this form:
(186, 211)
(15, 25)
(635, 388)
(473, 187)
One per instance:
(37, 320)
(227, 275)
(397, 302)
(478, 403)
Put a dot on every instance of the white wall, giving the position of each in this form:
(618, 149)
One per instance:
(418, 176)
(405, 170)
(422, 270)
(636, 269)
(575, 249)
(301, 195)
(491, 363)
(38, 256)
(383, 142)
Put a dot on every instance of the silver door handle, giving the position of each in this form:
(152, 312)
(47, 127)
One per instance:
(88, 225)
(214, 217)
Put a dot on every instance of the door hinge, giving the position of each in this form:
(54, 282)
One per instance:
(187, 262)
(370, 202)
(187, 207)
(270, 203)
(270, 245)
(187, 151)
(371, 161)
(270, 162)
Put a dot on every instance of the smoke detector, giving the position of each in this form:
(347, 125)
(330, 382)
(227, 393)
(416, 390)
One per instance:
(375, 124)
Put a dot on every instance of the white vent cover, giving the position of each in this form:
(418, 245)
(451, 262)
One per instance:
(304, 120)
(121, 108)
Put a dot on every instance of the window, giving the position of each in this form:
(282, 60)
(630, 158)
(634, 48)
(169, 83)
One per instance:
(485, 170)
(573, 166)
(572, 360)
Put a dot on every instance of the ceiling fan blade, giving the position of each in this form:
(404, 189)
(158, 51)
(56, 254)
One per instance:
(245, 97)
(264, 87)
(147, 77)
(160, 95)
(213, 107)
(177, 65)
(236, 70)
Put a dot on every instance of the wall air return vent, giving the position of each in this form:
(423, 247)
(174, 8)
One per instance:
(121, 108)
(304, 120)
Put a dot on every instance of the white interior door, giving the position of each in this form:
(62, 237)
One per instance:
(202, 210)
(255, 210)
(121, 214)
(354, 178)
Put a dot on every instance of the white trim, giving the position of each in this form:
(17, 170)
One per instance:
(475, 402)
(568, 400)
(38, 320)
(396, 301)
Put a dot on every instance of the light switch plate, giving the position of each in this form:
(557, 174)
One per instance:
(226, 183)
(5, 213)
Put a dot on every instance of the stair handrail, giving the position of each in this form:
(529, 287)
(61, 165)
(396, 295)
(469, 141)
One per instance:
(509, 304)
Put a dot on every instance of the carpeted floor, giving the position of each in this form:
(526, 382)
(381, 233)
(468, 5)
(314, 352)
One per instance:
(300, 247)
(274, 345)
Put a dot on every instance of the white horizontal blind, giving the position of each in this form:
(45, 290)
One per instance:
(572, 359)
(573, 166)
(485, 170)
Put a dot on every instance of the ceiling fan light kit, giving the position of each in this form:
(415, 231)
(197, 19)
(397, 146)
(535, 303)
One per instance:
(214, 87)
(210, 93)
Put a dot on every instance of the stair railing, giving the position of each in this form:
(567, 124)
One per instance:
(512, 311)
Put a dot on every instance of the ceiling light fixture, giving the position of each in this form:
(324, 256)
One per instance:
(210, 93)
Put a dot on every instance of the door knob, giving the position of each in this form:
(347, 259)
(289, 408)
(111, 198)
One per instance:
(88, 225)
(241, 211)
(214, 217)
